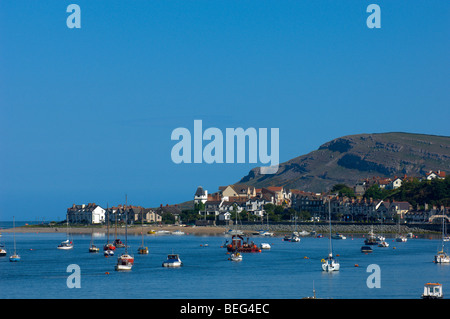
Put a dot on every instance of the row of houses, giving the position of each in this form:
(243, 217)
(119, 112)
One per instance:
(242, 197)
(395, 182)
(95, 214)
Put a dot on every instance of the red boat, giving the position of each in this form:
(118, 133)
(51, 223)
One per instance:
(238, 244)
(109, 247)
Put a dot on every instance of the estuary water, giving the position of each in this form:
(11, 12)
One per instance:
(287, 271)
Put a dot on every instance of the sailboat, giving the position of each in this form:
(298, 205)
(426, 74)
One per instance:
(441, 257)
(125, 261)
(14, 257)
(117, 242)
(93, 248)
(66, 244)
(108, 248)
(400, 238)
(371, 239)
(330, 264)
(143, 250)
(381, 239)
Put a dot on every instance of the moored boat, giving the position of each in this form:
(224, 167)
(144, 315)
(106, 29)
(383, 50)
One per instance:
(432, 291)
(14, 257)
(366, 249)
(236, 257)
(125, 262)
(265, 246)
(238, 244)
(173, 260)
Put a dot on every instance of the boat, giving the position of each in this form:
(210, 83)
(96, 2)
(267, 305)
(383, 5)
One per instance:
(108, 248)
(66, 244)
(441, 257)
(239, 245)
(125, 261)
(92, 247)
(304, 233)
(400, 238)
(366, 249)
(293, 238)
(383, 244)
(143, 250)
(2, 251)
(432, 291)
(173, 260)
(178, 232)
(14, 257)
(330, 264)
(236, 257)
(338, 236)
(410, 235)
(117, 242)
(265, 246)
(266, 233)
(371, 239)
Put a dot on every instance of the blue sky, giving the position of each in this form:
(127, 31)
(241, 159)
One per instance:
(86, 114)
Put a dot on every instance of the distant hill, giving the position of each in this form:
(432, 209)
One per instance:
(350, 159)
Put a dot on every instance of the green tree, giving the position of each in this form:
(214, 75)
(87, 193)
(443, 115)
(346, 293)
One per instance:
(343, 190)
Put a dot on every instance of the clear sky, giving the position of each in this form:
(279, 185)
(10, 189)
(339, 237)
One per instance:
(86, 114)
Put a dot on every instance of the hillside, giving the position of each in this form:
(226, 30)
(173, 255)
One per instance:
(352, 158)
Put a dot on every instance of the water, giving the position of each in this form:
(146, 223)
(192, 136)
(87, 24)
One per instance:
(279, 273)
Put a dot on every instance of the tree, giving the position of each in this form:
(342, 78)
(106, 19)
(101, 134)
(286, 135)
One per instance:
(343, 190)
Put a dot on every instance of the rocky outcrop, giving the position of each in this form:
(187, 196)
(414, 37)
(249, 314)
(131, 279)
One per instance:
(350, 159)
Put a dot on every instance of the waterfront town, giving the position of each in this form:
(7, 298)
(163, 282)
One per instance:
(273, 203)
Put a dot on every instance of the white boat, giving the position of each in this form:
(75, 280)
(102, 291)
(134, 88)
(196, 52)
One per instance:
(330, 264)
(173, 260)
(125, 261)
(441, 257)
(264, 246)
(432, 291)
(410, 235)
(108, 252)
(338, 236)
(381, 238)
(401, 239)
(383, 244)
(66, 244)
(304, 233)
(14, 257)
(178, 232)
(236, 257)
(266, 233)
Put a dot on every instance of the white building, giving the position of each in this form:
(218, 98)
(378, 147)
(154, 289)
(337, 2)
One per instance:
(86, 214)
(200, 195)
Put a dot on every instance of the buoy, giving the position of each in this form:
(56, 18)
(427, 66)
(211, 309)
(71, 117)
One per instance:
(356, 265)
(306, 257)
(106, 273)
(337, 255)
(393, 248)
(201, 245)
(322, 261)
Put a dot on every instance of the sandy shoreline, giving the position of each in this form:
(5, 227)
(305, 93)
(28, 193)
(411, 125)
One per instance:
(209, 230)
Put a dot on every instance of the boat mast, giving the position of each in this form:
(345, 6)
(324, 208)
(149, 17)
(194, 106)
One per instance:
(329, 219)
(126, 225)
(14, 235)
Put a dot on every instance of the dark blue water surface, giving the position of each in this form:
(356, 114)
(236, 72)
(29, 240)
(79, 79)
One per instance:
(282, 272)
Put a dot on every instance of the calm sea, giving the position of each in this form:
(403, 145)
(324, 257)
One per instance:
(282, 272)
